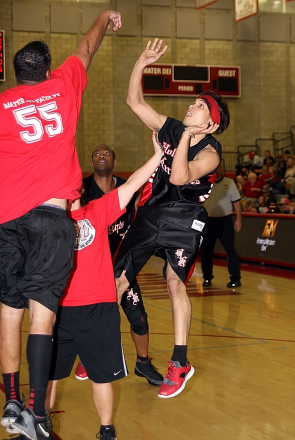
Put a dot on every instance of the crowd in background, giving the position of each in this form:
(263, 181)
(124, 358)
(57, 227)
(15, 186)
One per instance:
(267, 185)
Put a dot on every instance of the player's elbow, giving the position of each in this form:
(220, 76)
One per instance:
(177, 180)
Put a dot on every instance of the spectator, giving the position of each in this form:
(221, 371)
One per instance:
(287, 154)
(268, 158)
(289, 177)
(252, 188)
(240, 184)
(248, 205)
(281, 168)
(262, 208)
(255, 161)
(284, 205)
(273, 185)
(264, 174)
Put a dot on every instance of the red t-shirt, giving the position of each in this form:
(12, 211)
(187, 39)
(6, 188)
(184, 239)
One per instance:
(92, 279)
(247, 189)
(38, 157)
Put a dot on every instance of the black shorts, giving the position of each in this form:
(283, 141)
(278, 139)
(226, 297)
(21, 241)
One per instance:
(172, 232)
(93, 333)
(36, 257)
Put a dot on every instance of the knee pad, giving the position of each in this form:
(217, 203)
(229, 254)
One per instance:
(139, 324)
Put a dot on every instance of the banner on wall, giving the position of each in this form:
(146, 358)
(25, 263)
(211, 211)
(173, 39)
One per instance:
(245, 9)
(2, 56)
(203, 3)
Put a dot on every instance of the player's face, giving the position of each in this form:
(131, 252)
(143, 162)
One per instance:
(198, 114)
(103, 159)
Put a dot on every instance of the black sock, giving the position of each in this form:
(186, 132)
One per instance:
(39, 354)
(142, 359)
(11, 386)
(179, 354)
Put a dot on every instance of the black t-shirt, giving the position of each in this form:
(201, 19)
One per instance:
(118, 229)
(159, 191)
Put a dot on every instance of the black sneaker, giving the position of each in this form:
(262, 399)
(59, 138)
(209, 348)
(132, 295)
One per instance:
(233, 285)
(147, 370)
(33, 427)
(106, 433)
(12, 410)
(207, 283)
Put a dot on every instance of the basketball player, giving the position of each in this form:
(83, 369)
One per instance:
(39, 171)
(171, 220)
(102, 182)
(88, 321)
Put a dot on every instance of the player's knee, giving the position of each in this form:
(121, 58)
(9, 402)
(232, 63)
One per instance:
(140, 325)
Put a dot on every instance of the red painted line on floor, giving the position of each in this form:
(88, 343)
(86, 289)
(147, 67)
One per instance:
(57, 412)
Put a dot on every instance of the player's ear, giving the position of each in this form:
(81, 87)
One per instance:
(48, 74)
(115, 162)
(92, 164)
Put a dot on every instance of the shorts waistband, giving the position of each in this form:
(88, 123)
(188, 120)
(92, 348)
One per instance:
(57, 210)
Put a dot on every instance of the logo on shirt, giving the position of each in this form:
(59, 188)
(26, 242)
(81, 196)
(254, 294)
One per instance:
(181, 259)
(115, 227)
(85, 234)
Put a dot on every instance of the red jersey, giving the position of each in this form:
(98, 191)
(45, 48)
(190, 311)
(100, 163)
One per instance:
(92, 279)
(38, 157)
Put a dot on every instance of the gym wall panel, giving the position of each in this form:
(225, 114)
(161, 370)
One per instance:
(157, 2)
(128, 9)
(246, 29)
(90, 13)
(218, 25)
(156, 22)
(186, 3)
(273, 27)
(63, 19)
(28, 17)
(188, 24)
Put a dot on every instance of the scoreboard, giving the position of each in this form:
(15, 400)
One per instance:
(2, 57)
(190, 80)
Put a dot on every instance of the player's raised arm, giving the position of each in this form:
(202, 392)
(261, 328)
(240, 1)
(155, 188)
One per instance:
(140, 177)
(93, 38)
(135, 98)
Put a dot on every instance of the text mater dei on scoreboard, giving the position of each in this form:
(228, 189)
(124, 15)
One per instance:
(228, 73)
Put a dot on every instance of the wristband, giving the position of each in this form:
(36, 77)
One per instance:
(190, 134)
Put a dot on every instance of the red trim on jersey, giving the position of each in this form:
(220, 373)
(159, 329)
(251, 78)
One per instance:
(146, 194)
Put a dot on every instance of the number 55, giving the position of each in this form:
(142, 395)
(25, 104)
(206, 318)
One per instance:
(24, 118)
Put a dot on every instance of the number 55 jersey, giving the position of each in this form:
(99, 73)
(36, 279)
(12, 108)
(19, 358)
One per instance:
(38, 157)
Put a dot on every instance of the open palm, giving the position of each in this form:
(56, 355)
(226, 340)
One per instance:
(153, 52)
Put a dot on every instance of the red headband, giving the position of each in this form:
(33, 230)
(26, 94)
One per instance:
(213, 108)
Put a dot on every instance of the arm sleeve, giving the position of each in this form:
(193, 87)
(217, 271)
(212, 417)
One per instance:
(112, 207)
(74, 69)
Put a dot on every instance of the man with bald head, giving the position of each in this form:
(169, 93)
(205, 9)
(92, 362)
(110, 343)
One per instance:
(252, 188)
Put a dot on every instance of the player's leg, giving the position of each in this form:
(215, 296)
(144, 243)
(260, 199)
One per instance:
(101, 353)
(227, 239)
(180, 370)
(10, 358)
(207, 248)
(12, 310)
(132, 304)
(49, 238)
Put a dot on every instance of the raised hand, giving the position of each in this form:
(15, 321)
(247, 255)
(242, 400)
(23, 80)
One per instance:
(115, 17)
(152, 52)
(157, 145)
(203, 129)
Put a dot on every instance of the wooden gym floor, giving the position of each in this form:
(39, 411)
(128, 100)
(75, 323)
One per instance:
(242, 345)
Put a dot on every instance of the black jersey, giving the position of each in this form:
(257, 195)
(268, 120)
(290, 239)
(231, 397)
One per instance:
(159, 191)
(118, 229)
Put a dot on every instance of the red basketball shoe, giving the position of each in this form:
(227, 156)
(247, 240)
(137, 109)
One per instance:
(175, 379)
(81, 372)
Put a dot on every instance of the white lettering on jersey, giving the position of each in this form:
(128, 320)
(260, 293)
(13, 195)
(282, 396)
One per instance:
(198, 225)
(116, 227)
(133, 296)
(181, 259)
(164, 167)
(166, 148)
(85, 234)
(20, 101)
